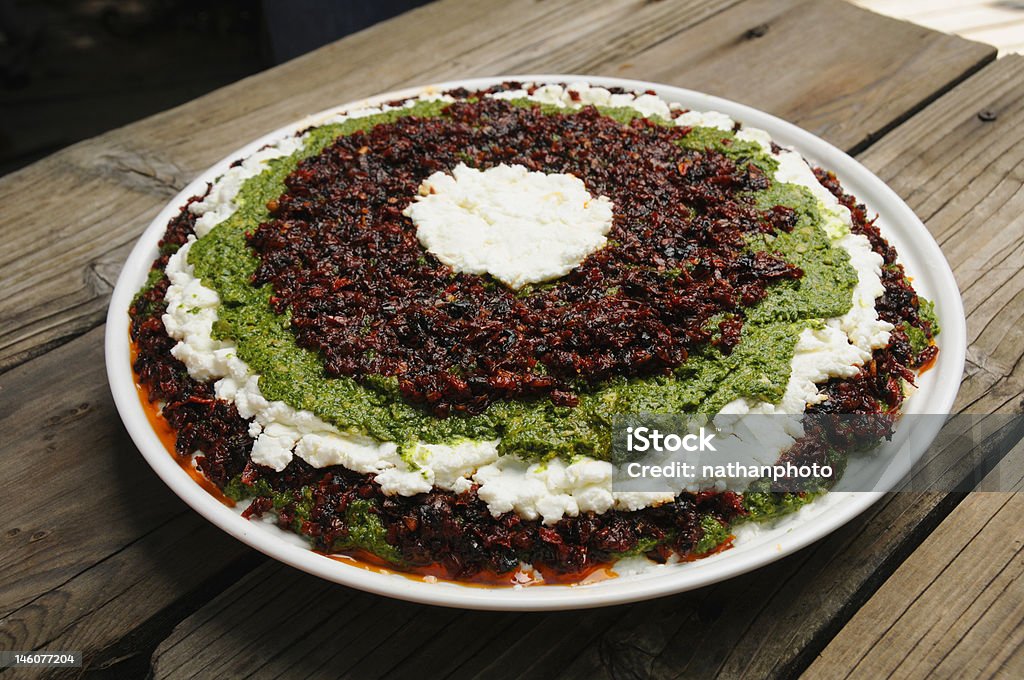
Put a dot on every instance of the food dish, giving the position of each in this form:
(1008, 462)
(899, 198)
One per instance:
(401, 451)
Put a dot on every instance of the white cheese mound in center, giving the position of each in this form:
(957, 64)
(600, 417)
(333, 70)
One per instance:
(517, 225)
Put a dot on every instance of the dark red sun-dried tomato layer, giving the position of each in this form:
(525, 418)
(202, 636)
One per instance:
(362, 291)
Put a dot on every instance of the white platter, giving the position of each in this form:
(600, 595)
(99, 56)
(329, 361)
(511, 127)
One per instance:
(754, 547)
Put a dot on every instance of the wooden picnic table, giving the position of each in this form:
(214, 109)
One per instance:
(99, 556)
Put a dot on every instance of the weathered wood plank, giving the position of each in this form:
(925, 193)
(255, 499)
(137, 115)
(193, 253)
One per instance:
(70, 219)
(117, 609)
(980, 224)
(837, 51)
(773, 621)
(84, 463)
(94, 544)
(955, 607)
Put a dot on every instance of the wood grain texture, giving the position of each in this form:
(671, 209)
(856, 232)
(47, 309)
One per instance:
(955, 607)
(764, 624)
(845, 58)
(70, 219)
(93, 543)
(972, 199)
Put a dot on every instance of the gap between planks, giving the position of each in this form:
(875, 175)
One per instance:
(966, 580)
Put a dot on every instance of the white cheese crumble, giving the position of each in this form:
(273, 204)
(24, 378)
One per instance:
(282, 431)
(547, 490)
(519, 226)
(218, 205)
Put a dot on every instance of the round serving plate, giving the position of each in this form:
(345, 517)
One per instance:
(755, 545)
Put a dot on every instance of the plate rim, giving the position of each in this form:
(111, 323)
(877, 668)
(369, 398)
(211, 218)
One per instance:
(943, 379)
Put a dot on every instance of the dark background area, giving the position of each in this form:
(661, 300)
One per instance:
(71, 69)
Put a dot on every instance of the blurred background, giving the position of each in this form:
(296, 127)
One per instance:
(71, 69)
(996, 22)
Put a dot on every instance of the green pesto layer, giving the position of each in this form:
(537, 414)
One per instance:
(758, 368)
